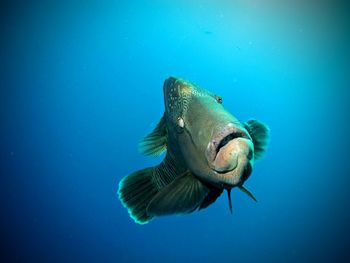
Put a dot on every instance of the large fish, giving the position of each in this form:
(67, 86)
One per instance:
(207, 149)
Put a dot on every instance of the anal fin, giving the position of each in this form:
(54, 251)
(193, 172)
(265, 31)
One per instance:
(211, 197)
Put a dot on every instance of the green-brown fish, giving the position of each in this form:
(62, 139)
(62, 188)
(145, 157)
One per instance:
(208, 150)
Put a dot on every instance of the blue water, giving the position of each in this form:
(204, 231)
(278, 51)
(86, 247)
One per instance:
(82, 84)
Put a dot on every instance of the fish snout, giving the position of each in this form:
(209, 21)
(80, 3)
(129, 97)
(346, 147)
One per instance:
(238, 150)
(226, 145)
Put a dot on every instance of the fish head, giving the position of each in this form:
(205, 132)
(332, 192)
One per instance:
(214, 144)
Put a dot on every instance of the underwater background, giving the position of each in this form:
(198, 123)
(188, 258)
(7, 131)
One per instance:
(81, 85)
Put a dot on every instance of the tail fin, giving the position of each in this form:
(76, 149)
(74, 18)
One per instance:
(135, 192)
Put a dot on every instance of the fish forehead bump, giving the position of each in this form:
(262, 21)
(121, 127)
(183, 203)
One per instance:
(178, 95)
(178, 86)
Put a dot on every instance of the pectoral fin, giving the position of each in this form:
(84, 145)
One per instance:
(155, 143)
(260, 135)
(183, 195)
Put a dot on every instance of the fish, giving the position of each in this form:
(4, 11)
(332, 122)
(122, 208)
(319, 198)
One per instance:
(207, 151)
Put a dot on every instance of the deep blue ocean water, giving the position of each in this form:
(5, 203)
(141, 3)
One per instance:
(81, 85)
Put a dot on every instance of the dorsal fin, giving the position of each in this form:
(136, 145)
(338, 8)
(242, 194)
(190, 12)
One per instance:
(260, 135)
(183, 195)
(155, 143)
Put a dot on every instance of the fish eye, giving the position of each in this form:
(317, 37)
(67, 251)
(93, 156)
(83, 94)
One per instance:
(180, 122)
(218, 99)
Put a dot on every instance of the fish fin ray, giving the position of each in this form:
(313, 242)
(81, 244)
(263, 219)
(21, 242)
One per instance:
(135, 191)
(229, 200)
(260, 135)
(183, 195)
(155, 143)
(247, 192)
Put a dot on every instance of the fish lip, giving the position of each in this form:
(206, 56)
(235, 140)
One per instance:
(224, 172)
(233, 179)
(217, 142)
(213, 145)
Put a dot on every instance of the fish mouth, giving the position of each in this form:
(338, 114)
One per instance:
(221, 141)
(225, 160)
(229, 155)
(225, 141)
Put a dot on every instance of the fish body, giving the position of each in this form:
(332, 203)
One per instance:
(208, 150)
